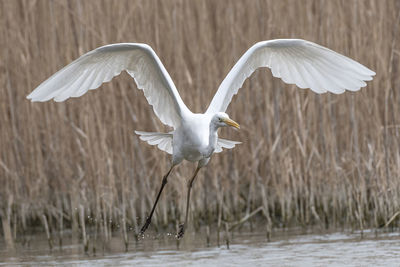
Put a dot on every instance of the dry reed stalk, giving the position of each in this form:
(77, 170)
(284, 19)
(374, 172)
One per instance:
(59, 217)
(227, 238)
(7, 233)
(47, 231)
(83, 228)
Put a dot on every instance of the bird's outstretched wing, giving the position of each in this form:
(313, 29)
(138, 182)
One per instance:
(295, 61)
(102, 64)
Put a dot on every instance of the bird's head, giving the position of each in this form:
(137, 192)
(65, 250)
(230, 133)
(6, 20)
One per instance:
(221, 119)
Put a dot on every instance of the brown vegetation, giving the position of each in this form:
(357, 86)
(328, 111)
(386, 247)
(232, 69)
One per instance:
(305, 159)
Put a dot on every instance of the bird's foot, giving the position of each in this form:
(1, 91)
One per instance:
(181, 231)
(145, 226)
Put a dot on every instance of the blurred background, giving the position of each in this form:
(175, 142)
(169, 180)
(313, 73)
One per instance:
(306, 159)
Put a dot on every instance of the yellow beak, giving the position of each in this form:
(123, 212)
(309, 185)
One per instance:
(231, 123)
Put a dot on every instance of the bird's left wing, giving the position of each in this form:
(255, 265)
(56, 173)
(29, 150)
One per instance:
(295, 61)
(102, 64)
(224, 143)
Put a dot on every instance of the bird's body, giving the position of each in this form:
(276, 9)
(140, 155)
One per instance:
(192, 140)
(195, 136)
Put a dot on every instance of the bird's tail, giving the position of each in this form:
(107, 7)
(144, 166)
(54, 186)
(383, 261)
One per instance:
(162, 140)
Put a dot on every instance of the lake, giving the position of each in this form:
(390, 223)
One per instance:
(286, 248)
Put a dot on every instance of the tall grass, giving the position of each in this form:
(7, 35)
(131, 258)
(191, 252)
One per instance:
(306, 159)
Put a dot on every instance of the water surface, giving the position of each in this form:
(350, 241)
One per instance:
(289, 248)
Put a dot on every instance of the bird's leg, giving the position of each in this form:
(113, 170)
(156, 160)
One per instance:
(148, 220)
(190, 184)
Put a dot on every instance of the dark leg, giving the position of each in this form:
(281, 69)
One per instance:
(148, 220)
(190, 184)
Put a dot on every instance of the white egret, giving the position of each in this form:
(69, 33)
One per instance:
(195, 136)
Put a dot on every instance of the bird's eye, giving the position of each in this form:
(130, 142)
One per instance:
(219, 119)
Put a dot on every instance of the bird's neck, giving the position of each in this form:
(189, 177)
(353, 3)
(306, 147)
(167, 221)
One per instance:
(212, 142)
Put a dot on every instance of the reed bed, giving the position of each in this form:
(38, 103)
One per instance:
(306, 159)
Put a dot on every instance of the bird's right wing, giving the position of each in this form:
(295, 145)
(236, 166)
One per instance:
(295, 61)
(102, 64)
(162, 140)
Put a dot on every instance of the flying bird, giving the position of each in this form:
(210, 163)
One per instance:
(195, 135)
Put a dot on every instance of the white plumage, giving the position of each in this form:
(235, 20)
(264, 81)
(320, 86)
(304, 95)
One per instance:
(164, 141)
(102, 64)
(195, 136)
(295, 61)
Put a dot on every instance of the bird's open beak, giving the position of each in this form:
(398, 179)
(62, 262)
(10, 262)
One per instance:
(232, 123)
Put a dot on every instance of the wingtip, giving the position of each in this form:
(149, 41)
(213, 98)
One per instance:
(31, 99)
(38, 99)
(370, 72)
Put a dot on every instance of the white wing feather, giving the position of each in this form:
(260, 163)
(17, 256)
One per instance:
(102, 64)
(224, 143)
(162, 140)
(295, 61)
